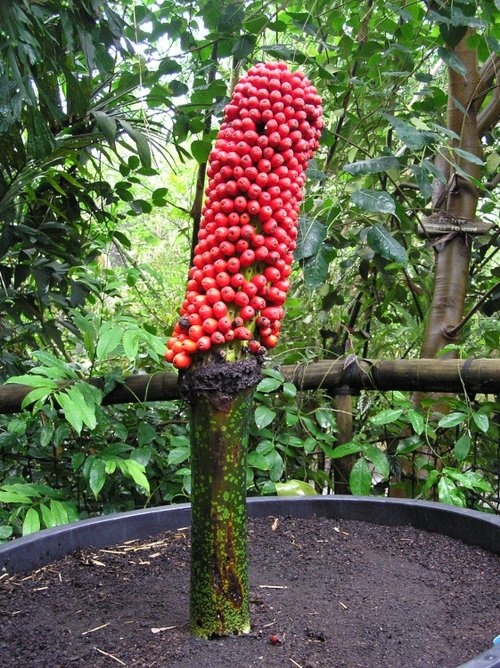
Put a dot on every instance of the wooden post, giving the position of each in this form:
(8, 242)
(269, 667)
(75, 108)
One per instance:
(342, 405)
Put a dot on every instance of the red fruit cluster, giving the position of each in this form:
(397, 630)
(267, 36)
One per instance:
(239, 279)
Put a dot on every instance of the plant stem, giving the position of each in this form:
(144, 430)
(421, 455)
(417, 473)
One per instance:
(220, 413)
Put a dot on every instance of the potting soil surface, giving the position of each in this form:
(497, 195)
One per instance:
(327, 593)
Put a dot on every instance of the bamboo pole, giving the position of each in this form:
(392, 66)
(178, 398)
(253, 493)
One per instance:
(473, 376)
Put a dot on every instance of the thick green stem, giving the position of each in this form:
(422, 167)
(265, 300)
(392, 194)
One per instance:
(219, 567)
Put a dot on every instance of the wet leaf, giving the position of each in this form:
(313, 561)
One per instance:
(383, 243)
(294, 488)
(374, 201)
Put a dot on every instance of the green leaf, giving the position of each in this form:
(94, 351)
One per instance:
(295, 488)
(387, 416)
(106, 125)
(97, 476)
(47, 518)
(407, 445)
(23, 488)
(31, 522)
(372, 166)
(462, 447)
(345, 449)
(141, 143)
(378, 459)
(131, 343)
(243, 47)
(374, 201)
(312, 233)
(72, 412)
(409, 135)
(109, 340)
(13, 497)
(135, 471)
(470, 157)
(146, 434)
(38, 395)
(58, 512)
(453, 61)
(178, 455)
(255, 24)
(257, 461)
(5, 532)
(316, 268)
(289, 390)
(33, 381)
(422, 180)
(452, 420)
(360, 479)
(416, 420)
(141, 455)
(269, 385)
(200, 150)
(449, 493)
(482, 421)
(85, 402)
(383, 243)
(452, 34)
(263, 416)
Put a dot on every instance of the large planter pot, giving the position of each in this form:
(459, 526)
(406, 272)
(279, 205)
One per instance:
(473, 528)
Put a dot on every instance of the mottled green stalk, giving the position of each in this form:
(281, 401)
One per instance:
(219, 569)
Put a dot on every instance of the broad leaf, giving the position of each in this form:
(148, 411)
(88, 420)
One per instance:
(294, 488)
(383, 243)
(31, 522)
(267, 385)
(386, 417)
(378, 459)
(263, 416)
(453, 61)
(178, 455)
(449, 493)
(258, 461)
(360, 478)
(374, 201)
(344, 450)
(482, 421)
(470, 157)
(452, 420)
(416, 420)
(312, 233)
(316, 268)
(372, 166)
(200, 149)
(72, 410)
(97, 476)
(109, 340)
(462, 447)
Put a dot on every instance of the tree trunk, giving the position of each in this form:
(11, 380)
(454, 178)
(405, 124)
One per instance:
(459, 199)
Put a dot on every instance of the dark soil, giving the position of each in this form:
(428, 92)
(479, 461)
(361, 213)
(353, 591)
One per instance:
(330, 593)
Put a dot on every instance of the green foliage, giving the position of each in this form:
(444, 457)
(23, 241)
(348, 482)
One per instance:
(107, 112)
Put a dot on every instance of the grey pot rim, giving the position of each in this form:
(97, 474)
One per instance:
(469, 526)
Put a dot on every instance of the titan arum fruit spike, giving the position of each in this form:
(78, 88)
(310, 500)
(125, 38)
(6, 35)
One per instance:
(232, 313)
(240, 275)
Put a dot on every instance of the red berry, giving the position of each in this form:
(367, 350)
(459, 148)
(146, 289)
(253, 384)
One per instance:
(219, 310)
(217, 338)
(247, 312)
(195, 331)
(204, 343)
(182, 360)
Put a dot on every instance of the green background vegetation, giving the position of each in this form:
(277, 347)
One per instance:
(107, 111)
